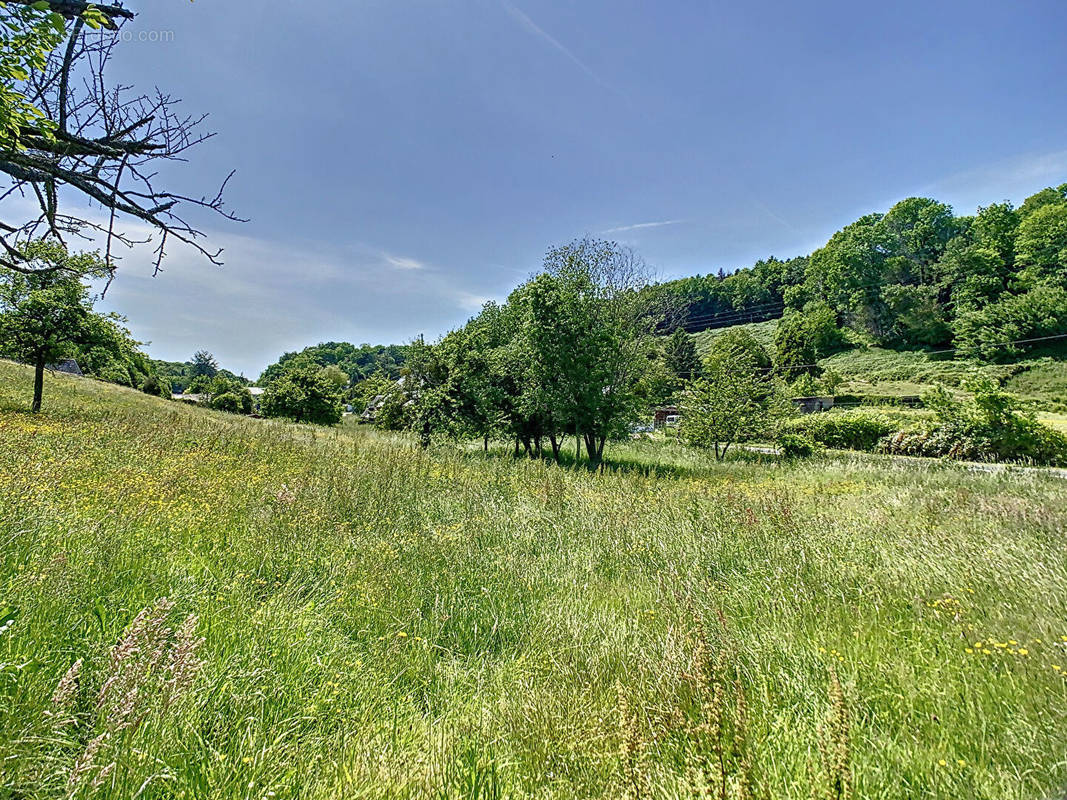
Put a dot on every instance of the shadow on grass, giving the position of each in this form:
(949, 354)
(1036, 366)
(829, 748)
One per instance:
(619, 463)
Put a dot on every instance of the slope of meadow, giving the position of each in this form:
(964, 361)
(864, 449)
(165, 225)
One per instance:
(381, 622)
(1039, 377)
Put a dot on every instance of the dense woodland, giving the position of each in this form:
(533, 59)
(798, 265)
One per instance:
(915, 276)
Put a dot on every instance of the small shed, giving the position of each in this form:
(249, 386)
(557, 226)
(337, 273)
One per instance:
(67, 365)
(666, 416)
(813, 405)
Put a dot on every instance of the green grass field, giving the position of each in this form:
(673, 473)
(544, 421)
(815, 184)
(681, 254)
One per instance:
(762, 332)
(382, 622)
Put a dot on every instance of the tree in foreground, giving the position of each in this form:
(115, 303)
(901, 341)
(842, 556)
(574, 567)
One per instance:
(591, 333)
(733, 401)
(304, 394)
(44, 312)
(567, 354)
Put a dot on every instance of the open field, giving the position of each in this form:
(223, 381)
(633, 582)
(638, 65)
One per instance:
(762, 332)
(383, 622)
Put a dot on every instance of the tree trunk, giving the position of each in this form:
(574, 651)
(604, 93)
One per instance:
(591, 448)
(577, 447)
(516, 447)
(38, 383)
(556, 444)
(485, 444)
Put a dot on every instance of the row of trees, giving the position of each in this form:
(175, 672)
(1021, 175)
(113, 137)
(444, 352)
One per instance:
(356, 363)
(195, 376)
(915, 276)
(573, 352)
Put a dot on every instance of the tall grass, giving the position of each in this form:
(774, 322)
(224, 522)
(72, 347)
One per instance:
(377, 621)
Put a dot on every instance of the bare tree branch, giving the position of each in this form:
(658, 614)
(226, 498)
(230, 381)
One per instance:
(103, 142)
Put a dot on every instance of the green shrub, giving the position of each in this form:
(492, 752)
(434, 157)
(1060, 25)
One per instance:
(227, 402)
(795, 445)
(153, 386)
(989, 427)
(844, 430)
(303, 395)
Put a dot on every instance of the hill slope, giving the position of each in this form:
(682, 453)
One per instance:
(379, 621)
(1040, 377)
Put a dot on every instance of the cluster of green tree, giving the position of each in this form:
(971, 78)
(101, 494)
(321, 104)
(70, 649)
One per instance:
(572, 352)
(363, 367)
(989, 284)
(46, 315)
(306, 392)
(218, 388)
(193, 376)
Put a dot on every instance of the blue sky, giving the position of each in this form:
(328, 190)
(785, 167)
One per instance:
(403, 160)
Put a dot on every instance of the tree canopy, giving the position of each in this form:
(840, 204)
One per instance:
(914, 276)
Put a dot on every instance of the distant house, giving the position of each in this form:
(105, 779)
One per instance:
(370, 413)
(67, 365)
(813, 405)
(196, 398)
(667, 416)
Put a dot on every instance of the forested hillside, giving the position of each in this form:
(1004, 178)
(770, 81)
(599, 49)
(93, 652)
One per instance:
(357, 363)
(993, 284)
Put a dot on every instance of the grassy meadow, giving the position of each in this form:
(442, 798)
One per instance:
(195, 605)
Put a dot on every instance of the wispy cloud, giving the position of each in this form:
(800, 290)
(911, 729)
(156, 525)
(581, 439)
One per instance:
(641, 225)
(469, 301)
(533, 28)
(399, 262)
(1008, 179)
(273, 296)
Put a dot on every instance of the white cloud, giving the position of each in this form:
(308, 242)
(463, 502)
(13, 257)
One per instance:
(273, 296)
(1008, 179)
(470, 301)
(398, 262)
